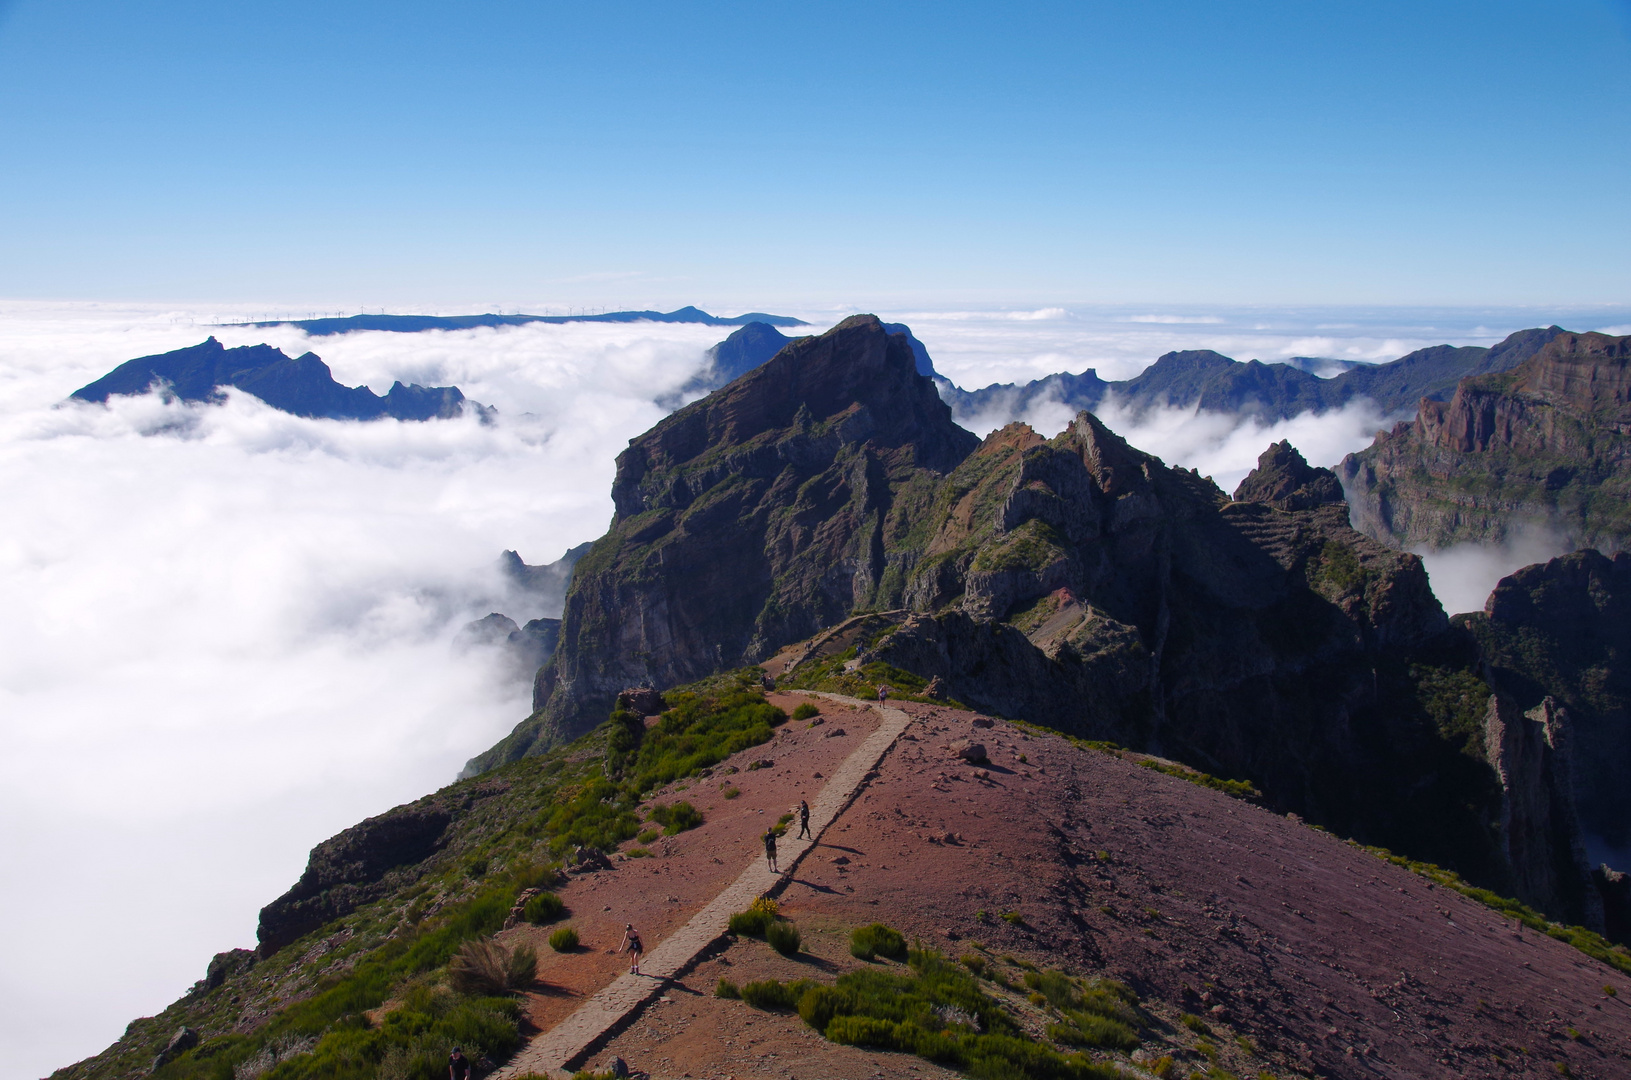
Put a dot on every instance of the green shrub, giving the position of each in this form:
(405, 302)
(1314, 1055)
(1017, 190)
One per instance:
(1091, 1029)
(732, 792)
(806, 711)
(488, 969)
(771, 994)
(543, 908)
(871, 942)
(564, 939)
(783, 937)
(727, 989)
(1013, 918)
(676, 818)
(647, 836)
(476, 868)
(1195, 1024)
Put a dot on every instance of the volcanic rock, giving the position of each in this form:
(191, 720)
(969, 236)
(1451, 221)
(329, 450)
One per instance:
(1284, 480)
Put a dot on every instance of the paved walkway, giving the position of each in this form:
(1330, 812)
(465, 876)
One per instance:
(554, 1052)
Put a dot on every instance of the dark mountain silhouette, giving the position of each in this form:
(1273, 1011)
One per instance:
(1214, 382)
(302, 385)
(413, 324)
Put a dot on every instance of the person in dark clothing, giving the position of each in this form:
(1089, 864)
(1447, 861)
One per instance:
(770, 850)
(804, 820)
(458, 1066)
(631, 942)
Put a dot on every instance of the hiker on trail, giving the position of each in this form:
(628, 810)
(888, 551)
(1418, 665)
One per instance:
(631, 942)
(770, 850)
(458, 1066)
(883, 694)
(804, 820)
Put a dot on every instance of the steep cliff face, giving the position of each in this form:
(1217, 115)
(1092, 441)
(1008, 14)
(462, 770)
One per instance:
(1546, 446)
(749, 520)
(1557, 639)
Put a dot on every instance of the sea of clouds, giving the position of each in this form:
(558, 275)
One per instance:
(227, 632)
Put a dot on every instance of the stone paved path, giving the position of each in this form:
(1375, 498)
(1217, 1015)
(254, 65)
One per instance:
(554, 1052)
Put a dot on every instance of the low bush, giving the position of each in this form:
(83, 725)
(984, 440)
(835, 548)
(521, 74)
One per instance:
(727, 989)
(1195, 1024)
(770, 994)
(647, 836)
(731, 792)
(488, 969)
(543, 908)
(806, 711)
(870, 942)
(783, 937)
(676, 818)
(564, 940)
(756, 919)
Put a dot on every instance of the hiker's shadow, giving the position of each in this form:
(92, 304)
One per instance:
(820, 964)
(814, 887)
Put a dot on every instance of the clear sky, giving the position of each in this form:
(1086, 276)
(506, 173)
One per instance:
(743, 154)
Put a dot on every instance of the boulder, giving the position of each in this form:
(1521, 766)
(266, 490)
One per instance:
(970, 751)
(642, 700)
(182, 1041)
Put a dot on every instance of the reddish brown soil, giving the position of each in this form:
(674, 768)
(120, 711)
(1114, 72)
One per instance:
(659, 894)
(1328, 960)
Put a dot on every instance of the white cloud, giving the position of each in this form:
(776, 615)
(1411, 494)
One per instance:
(1464, 575)
(226, 641)
(1176, 320)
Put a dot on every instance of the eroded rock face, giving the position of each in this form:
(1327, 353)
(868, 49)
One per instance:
(1556, 637)
(1284, 480)
(348, 870)
(750, 520)
(1545, 447)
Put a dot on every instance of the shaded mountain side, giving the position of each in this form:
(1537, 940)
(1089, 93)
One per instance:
(748, 520)
(545, 584)
(1557, 641)
(302, 385)
(1210, 381)
(413, 324)
(1543, 448)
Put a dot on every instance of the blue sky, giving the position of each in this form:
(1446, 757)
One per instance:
(616, 154)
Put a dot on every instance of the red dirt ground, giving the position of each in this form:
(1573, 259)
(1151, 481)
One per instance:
(1328, 960)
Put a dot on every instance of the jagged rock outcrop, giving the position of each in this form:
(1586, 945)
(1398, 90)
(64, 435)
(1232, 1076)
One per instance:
(749, 520)
(546, 583)
(302, 385)
(1284, 480)
(1211, 381)
(1560, 633)
(348, 870)
(1545, 447)
(527, 647)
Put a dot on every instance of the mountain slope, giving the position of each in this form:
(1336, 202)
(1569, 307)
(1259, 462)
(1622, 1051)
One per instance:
(302, 385)
(1546, 446)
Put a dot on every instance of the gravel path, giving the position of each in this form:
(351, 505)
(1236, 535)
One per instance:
(554, 1052)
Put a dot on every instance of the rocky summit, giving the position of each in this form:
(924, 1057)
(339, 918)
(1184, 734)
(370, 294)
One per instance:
(302, 385)
(1543, 448)
(750, 519)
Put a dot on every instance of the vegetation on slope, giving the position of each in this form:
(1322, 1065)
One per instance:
(371, 994)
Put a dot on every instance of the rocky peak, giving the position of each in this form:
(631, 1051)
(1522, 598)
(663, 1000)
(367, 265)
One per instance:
(857, 383)
(1284, 480)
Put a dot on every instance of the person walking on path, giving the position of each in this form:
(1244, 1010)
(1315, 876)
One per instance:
(804, 820)
(458, 1066)
(883, 694)
(770, 850)
(631, 942)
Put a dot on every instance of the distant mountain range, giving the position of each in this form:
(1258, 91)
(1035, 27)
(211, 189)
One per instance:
(302, 385)
(1217, 383)
(413, 324)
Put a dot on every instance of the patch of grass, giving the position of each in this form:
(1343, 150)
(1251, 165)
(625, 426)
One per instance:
(1195, 1024)
(1163, 1066)
(870, 942)
(1589, 942)
(806, 711)
(646, 836)
(938, 1012)
(488, 969)
(727, 989)
(677, 817)
(783, 937)
(638, 853)
(1012, 918)
(1206, 1050)
(731, 792)
(771, 994)
(1238, 789)
(543, 908)
(564, 939)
